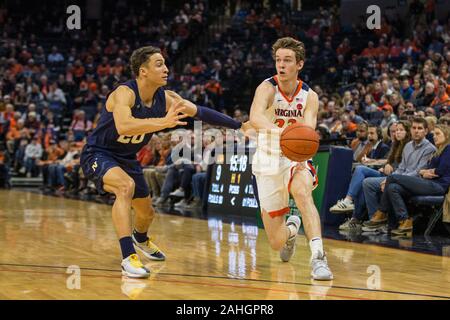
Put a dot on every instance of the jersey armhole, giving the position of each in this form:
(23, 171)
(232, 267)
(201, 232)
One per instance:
(112, 91)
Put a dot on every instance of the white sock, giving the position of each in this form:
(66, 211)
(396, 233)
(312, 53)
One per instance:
(316, 246)
(348, 201)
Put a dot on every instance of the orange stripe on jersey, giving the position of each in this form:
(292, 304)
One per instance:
(297, 90)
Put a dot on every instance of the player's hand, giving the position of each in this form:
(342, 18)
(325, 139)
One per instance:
(175, 114)
(248, 130)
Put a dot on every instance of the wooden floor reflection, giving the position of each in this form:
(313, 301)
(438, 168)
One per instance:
(41, 236)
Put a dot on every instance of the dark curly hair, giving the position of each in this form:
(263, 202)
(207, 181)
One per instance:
(141, 56)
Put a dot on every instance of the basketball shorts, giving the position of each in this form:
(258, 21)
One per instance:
(95, 163)
(272, 190)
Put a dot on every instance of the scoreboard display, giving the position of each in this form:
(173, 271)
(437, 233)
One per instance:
(229, 186)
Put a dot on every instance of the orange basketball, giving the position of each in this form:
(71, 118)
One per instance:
(299, 142)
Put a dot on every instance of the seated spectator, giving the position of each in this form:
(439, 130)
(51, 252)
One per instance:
(348, 127)
(180, 173)
(55, 56)
(58, 168)
(192, 201)
(33, 152)
(145, 155)
(32, 123)
(369, 106)
(425, 98)
(415, 157)
(56, 98)
(80, 126)
(389, 134)
(21, 100)
(388, 116)
(19, 157)
(406, 90)
(72, 178)
(354, 200)
(379, 149)
(199, 177)
(432, 181)
(156, 172)
(361, 145)
(51, 155)
(442, 99)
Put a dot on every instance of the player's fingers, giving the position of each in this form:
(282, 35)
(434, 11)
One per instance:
(181, 123)
(182, 116)
(174, 106)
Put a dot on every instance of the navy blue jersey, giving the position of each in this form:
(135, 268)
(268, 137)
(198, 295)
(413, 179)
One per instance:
(105, 136)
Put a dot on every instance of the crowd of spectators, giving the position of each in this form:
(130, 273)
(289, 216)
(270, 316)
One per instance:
(53, 82)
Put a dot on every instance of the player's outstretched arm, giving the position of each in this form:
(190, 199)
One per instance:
(311, 110)
(262, 99)
(120, 103)
(205, 114)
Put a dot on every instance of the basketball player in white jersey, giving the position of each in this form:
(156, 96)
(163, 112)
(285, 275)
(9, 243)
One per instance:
(280, 101)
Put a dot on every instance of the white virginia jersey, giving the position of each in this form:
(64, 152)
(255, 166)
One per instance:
(283, 112)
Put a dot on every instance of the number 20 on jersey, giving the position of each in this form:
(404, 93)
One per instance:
(132, 139)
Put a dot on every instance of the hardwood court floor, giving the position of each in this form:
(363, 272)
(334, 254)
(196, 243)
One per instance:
(41, 236)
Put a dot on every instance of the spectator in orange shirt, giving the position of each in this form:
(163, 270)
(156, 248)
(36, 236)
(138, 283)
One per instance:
(442, 99)
(145, 155)
(52, 153)
(382, 49)
(344, 48)
(214, 87)
(15, 67)
(370, 51)
(396, 49)
(7, 116)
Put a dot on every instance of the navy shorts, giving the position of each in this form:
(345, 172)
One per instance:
(95, 163)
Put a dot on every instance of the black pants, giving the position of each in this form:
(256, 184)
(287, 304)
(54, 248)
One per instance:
(399, 187)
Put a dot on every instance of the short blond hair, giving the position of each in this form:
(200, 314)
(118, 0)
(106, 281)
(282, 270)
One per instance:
(290, 43)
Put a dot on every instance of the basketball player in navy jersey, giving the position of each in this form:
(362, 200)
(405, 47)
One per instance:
(133, 111)
(280, 101)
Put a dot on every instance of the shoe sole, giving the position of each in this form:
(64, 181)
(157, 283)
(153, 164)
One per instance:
(135, 276)
(401, 232)
(341, 210)
(350, 229)
(322, 279)
(376, 224)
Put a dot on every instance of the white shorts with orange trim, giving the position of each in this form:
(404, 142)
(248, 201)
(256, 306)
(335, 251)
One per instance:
(274, 189)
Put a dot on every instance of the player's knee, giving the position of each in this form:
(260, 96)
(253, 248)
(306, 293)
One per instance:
(302, 193)
(126, 189)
